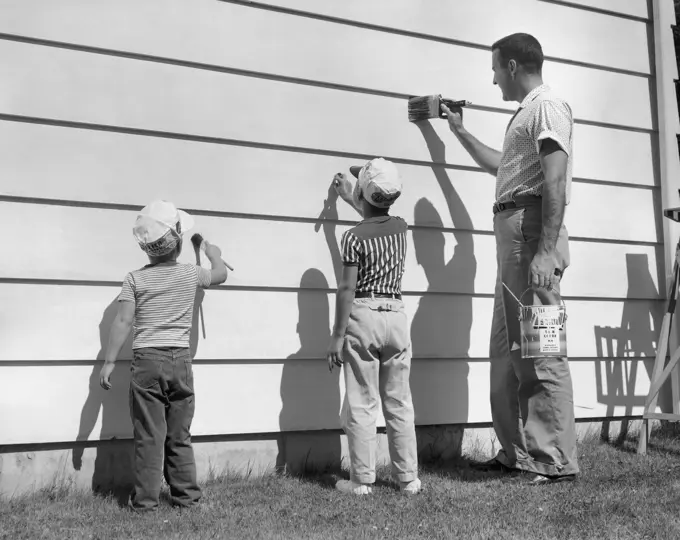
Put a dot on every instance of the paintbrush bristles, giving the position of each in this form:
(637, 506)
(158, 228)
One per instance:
(427, 107)
(423, 108)
(196, 240)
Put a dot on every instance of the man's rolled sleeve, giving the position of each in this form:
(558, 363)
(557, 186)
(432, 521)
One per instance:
(350, 248)
(554, 121)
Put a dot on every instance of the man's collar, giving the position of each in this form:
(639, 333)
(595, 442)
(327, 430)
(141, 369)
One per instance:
(533, 94)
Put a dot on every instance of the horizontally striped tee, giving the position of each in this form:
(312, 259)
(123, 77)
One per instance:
(164, 296)
(378, 247)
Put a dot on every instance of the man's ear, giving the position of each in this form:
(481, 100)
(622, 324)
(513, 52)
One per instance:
(512, 68)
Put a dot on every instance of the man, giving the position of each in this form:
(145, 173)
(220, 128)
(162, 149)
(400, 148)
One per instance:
(531, 399)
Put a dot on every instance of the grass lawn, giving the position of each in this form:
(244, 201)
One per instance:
(619, 495)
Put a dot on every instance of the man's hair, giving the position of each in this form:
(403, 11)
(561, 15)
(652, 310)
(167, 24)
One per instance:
(523, 49)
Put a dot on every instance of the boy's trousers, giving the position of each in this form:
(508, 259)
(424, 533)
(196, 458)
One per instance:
(162, 408)
(377, 366)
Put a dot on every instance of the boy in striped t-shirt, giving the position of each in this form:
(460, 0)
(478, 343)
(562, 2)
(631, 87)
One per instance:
(371, 334)
(157, 301)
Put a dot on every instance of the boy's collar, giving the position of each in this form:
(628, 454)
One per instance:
(378, 219)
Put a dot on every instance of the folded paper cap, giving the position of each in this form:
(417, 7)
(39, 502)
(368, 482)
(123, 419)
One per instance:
(379, 181)
(159, 227)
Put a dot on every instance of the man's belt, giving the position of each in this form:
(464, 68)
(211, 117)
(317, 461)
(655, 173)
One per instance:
(521, 201)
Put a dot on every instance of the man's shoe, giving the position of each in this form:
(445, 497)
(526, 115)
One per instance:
(491, 465)
(542, 480)
(412, 487)
(347, 486)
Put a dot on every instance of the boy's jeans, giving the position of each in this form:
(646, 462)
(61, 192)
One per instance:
(162, 408)
(377, 365)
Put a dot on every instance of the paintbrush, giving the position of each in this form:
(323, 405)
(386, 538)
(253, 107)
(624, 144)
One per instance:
(197, 250)
(427, 107)
(199, 243)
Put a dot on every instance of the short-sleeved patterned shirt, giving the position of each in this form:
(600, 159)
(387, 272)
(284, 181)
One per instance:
(163, 295)
(378, 247)
(541, 115)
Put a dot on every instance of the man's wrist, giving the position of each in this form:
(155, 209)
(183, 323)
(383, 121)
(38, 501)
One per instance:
(546, 251)
(457, 131)
(109, 361)
(337, 334)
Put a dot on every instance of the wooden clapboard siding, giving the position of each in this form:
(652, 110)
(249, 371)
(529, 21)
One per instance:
(106, 251)
(61, 163)
(246, 398)
(105, 107)
(73, 318)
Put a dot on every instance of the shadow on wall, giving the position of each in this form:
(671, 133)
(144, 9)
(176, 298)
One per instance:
(310, 394)
(635, 339)
(112, 472)
(442, 323)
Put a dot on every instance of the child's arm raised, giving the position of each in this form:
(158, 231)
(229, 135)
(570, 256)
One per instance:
(344, 189)
(120, 329)
(218, 271)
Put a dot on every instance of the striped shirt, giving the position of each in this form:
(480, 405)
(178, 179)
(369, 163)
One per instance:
(163, 295)
(378, 247)
(540, 116)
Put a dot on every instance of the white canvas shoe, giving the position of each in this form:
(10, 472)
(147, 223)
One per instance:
(412, 487)
(347, 486)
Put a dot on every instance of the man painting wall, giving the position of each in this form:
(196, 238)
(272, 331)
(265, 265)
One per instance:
(531, 399)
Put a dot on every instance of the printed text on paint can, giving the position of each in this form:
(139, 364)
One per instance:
(549, 339)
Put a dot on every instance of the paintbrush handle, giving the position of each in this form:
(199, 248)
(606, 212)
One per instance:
(456, 103)
(202, 248)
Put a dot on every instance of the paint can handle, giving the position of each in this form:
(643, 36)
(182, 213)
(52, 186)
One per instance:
(519, 300)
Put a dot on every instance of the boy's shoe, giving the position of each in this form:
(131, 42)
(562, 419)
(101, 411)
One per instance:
(412, 487)
(347, 486)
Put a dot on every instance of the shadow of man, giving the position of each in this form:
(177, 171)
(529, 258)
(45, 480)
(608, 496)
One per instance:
(310, 395)
(637, 337)
(112, 473)
(441, 325)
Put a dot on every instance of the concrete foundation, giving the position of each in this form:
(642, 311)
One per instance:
(107, 468)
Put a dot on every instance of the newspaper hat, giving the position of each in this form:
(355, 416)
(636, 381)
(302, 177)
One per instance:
(379, 181)
(159, 227)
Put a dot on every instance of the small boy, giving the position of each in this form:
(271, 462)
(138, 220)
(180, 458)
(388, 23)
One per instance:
(371, 333)
(157, 301)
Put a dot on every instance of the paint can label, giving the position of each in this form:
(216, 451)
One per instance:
(549, 339)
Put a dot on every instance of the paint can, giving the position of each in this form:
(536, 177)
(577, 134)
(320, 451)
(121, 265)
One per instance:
(543, 329)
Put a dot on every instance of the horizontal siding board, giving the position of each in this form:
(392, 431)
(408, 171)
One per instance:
(72, 323)
(602, 38)
(109, 90)
(437, 261)
(634, 8)
(83, 165)
(230, 34)
(294, 395)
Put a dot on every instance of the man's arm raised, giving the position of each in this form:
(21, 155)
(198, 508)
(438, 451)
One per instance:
(487, 158)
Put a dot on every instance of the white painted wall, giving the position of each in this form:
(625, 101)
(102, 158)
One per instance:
(241, 112)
